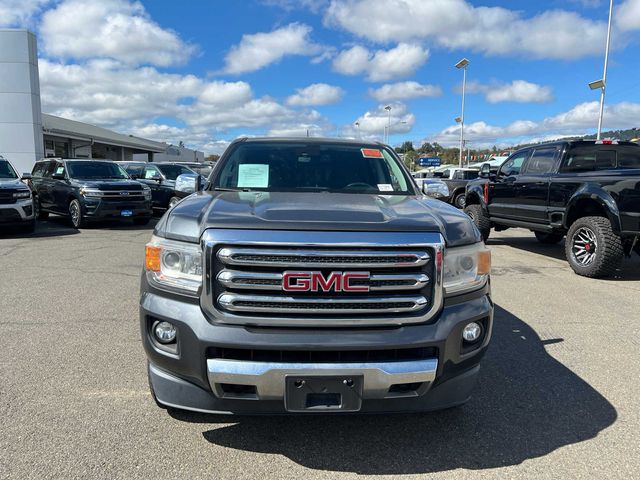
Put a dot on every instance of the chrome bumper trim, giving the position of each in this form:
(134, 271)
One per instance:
(269, 377)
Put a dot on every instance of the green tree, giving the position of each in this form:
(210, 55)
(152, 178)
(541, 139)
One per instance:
(406, 147)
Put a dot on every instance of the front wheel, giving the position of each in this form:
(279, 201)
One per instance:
(548, 238)
(592, 248)
(460, 201)
(75, 214)
(480, 219)
(37, 210)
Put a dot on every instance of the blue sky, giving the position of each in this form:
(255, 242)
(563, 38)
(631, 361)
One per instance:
(207, 71)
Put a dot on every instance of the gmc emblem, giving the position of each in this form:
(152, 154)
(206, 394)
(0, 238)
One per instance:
(316, 282)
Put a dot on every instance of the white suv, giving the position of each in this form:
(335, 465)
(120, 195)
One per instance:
(16, 200)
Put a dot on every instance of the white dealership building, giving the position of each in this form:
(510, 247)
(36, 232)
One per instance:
(27, 134)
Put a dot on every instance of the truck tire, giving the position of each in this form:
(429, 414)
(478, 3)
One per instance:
(141, 221)
(592, 248)
(460, 201)
(480, 219)
(39, 214)
(75, 214)
(548, 238)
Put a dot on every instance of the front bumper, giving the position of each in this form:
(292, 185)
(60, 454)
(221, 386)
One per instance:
(192, 378)
(105, 209)
(17, 213)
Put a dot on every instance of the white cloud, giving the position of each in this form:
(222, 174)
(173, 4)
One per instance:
(19, 12)
(381, 65)
(456, 24)
(627, 15)
(116, 29)
(129, 99)
(316, 94)
(372, 124)
(519, 91)
(404, 91)
(258, 50)
(580, 120)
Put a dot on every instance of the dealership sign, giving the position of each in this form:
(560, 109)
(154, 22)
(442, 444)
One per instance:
(429, 161)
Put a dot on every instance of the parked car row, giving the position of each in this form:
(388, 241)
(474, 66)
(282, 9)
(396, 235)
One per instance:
(85, 190)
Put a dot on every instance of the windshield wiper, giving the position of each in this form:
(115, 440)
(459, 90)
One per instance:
(231, 189)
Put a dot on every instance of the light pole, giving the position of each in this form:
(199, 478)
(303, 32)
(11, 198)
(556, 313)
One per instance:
(357, 124)
(462, 64)
(602, 83)
(386, 137)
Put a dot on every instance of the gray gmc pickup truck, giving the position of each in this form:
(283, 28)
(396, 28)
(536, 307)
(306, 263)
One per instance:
(311, 275)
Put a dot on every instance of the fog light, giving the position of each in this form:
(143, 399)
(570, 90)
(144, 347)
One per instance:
(164, 332)
(471, 332)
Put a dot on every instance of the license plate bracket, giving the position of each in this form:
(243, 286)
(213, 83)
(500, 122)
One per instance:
(323, 393)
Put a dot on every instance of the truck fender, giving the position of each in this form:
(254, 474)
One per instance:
(475, 195)
(593, 194)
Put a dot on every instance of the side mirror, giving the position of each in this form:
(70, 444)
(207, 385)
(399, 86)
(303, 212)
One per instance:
(188, 183)
(156, 178)
(58, 176)
(26, 176)
(485, 170)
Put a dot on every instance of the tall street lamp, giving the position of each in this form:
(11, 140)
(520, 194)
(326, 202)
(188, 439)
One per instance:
(602, 83)
(386, 137)
(462, 64)
(357, 124)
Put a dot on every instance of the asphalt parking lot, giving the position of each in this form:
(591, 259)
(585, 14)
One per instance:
(559, 396)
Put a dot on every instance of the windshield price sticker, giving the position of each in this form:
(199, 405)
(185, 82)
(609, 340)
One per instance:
(385, 187)
(371, 153)
(253, 175)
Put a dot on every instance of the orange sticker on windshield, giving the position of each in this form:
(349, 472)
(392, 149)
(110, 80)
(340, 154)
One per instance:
(371, 153)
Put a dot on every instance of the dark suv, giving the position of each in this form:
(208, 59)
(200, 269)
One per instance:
(89, 189)
(586, 190)
(160, 178)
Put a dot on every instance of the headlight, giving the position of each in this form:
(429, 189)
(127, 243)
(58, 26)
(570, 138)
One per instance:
(436, 189)
(22, 194)
(147, 193)
(174, 266)
(466, 268)
(91, 192)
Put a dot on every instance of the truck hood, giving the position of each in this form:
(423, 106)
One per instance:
(315, 211)
(12, 184)
(109, 184)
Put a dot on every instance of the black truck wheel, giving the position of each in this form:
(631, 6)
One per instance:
(592, 249)
(37, 209)
(480, 219)
(548, 238)
(459, 200)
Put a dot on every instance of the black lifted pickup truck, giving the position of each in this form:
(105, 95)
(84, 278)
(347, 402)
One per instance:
(311, 276)
(586, 190)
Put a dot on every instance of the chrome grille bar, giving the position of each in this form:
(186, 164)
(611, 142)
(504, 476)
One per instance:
(273, 281)
(322, 258)
(314, 305)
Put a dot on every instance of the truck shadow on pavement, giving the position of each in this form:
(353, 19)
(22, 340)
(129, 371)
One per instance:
(527, 405)
(629, 271)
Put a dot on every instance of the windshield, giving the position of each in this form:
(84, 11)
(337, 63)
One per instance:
(293, 167)
(7, 171)
(95, 170)
(173, 171)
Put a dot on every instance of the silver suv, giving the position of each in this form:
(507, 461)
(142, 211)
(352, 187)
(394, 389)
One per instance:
(16, 200)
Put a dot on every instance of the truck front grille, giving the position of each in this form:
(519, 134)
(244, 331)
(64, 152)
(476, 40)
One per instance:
(246, 283)
(6, 197)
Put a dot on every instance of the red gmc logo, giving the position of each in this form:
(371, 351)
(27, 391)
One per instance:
(316, 281)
